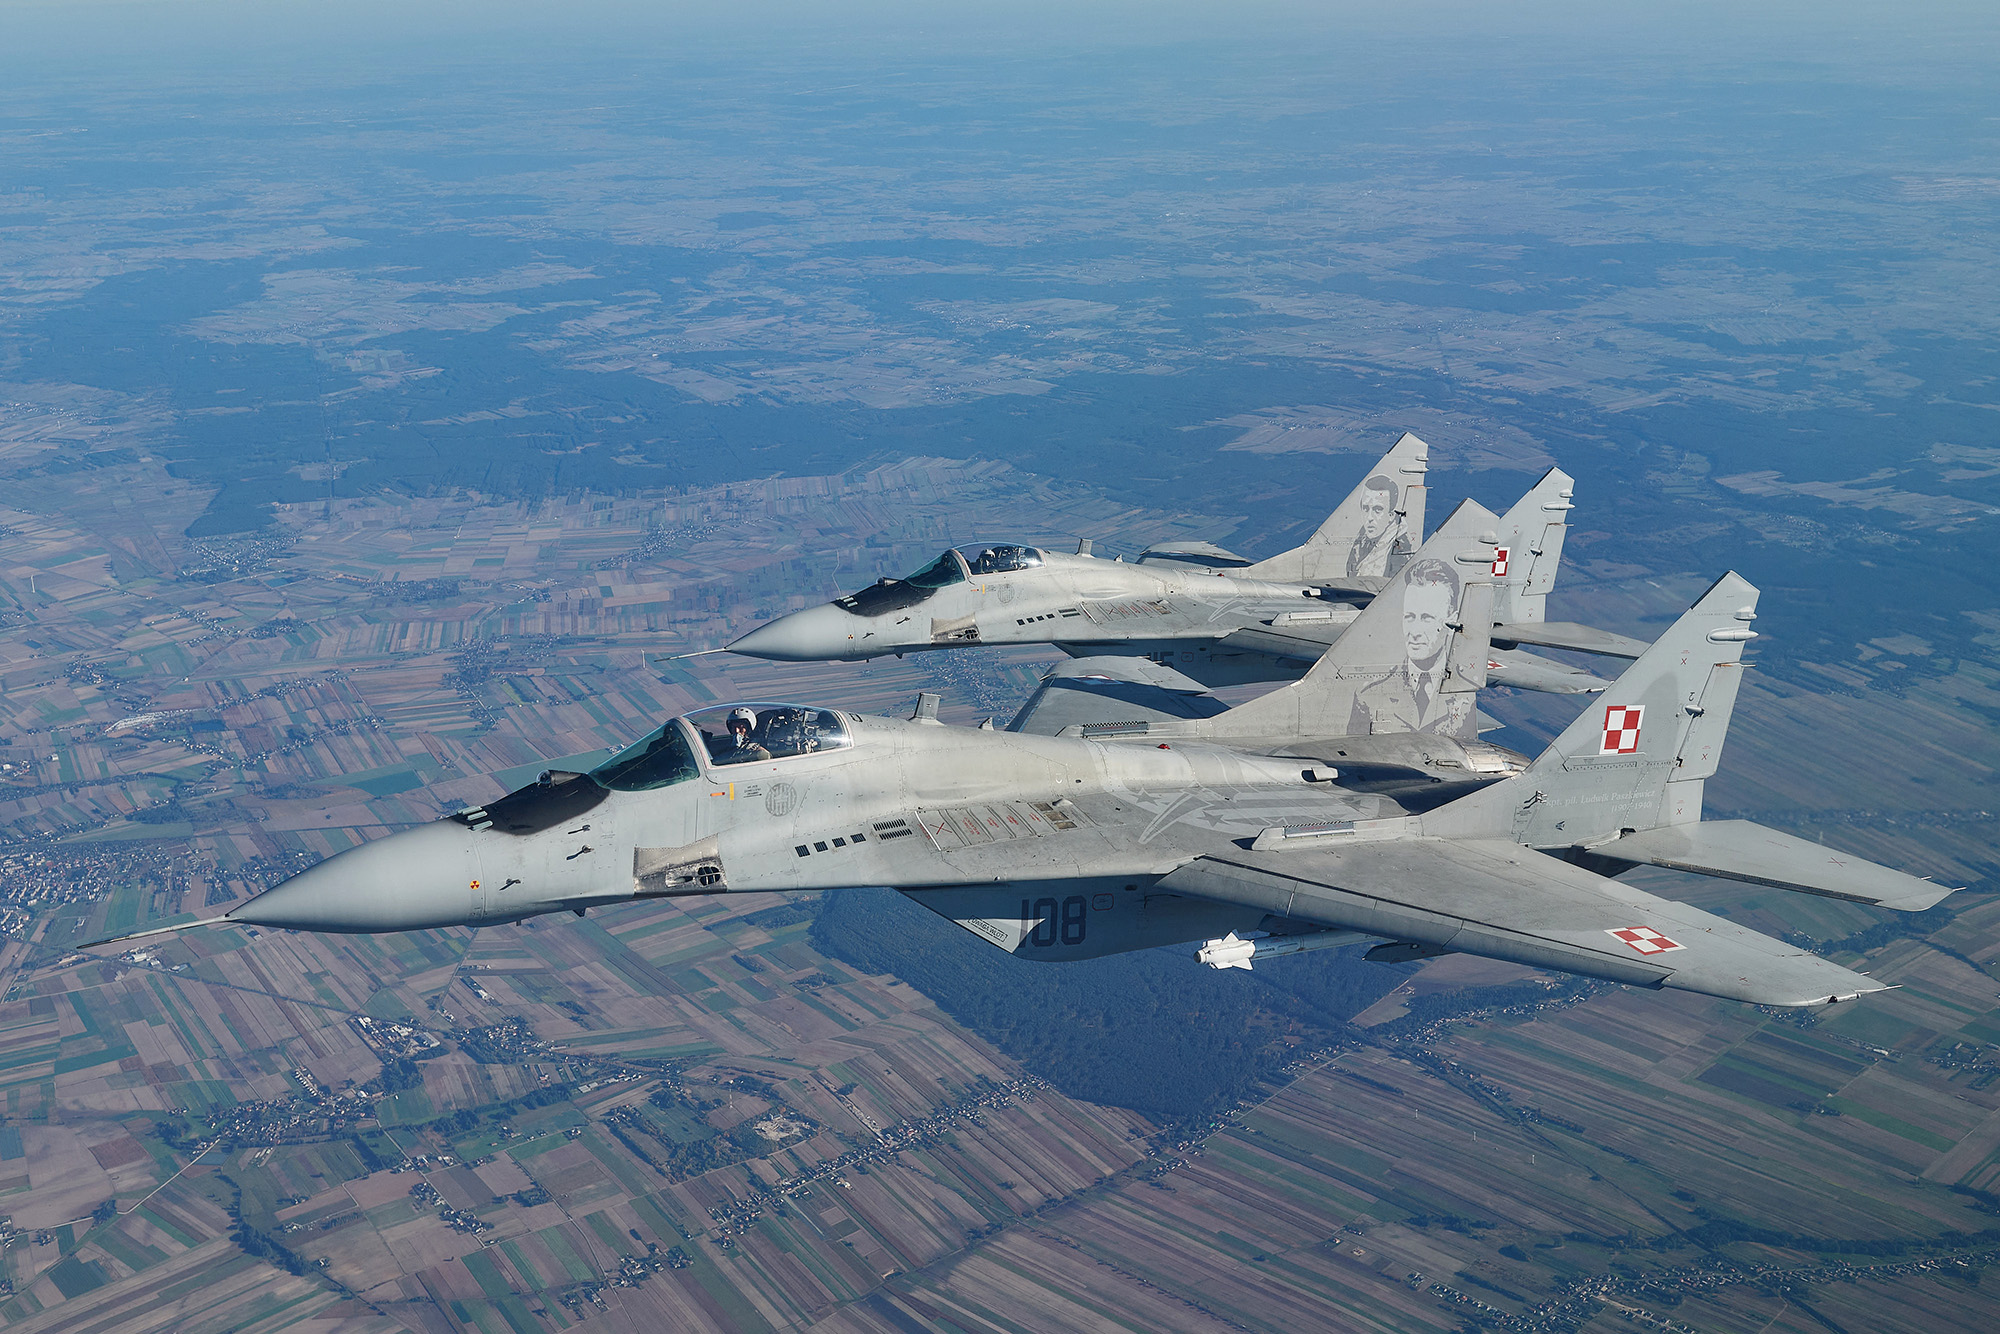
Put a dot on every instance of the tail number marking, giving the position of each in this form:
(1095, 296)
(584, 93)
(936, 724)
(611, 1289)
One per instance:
(1055, 919)
(1499, 562)
(1621, 729)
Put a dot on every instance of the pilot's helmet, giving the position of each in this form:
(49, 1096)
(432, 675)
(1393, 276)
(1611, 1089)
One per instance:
(745, 716)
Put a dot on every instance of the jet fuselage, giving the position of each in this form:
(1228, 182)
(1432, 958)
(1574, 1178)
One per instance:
(1176, 614)
(891, 803)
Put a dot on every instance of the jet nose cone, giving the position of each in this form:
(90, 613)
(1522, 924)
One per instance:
(422, 877)
(812, 635)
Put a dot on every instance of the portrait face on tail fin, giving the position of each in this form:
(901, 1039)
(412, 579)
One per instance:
(1413, 698)
(1430, 608)
(1381, 528)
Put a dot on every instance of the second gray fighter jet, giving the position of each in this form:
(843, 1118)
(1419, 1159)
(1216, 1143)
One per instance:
(1210, 615)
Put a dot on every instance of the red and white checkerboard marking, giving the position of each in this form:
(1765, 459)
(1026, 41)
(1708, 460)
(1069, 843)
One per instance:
(1621, 729)
(1499, 562)
(1645, 940)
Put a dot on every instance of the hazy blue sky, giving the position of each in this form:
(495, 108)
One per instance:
(1947, 39)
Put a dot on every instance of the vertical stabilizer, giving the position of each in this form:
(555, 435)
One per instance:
(1411, 662)
(1370, 535)
(1530, 550)
(1638, 756)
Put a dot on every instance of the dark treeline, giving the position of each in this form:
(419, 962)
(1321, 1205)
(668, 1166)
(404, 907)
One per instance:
(1717, 1232)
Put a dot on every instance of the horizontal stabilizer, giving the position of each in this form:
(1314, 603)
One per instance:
(1528, 671)
(1494, 898)
(1569, 635)
(1740, 850)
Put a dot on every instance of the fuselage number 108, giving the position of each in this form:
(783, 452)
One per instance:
(1056, 919)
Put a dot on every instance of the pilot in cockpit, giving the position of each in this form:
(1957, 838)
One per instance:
(1004, 560)
(742, 747)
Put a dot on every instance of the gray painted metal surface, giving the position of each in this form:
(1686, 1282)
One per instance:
(1209, 614)
(1272, 817)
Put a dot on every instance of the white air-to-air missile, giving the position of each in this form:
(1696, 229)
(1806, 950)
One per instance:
(1232, 951)
(1212, 616)
(1114, 815)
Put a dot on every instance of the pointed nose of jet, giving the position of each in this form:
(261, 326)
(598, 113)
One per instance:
(812, 635)
(422, 877)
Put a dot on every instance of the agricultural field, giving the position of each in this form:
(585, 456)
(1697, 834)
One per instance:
(694, 1117)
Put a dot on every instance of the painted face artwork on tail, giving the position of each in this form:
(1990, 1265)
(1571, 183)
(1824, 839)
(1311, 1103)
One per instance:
(1381, 529)
(1414, 697)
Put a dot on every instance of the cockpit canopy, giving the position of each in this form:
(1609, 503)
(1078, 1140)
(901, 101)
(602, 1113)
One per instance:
(887, 595)
(1004, 560)
(729, 734)
(659, 759)
(744, 733)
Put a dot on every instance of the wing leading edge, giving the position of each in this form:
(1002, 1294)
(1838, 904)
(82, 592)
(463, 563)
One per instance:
(1105, 692)
(1495, 898)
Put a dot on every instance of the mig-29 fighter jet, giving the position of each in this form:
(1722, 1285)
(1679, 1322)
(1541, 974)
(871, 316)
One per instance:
(1209, 614)
(1289, 822)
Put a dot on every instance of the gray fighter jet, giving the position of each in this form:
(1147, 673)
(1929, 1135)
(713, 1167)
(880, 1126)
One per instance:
(1211, 615)
(1353, 805)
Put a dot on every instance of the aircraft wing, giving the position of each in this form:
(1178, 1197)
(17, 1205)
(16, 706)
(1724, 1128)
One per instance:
(1109, 874)
(1304, 642)
(1101, 693)
(1503, 901)
(1569, 635)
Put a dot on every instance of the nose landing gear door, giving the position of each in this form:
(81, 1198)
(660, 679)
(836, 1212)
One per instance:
(954, 630)
(671, 872)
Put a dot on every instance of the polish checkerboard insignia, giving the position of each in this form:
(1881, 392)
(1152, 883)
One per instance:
(1499, 562)
(1645, 940)
(1621, 729)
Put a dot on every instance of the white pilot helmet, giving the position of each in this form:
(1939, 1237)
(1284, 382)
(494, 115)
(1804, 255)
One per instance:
(748, 717)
